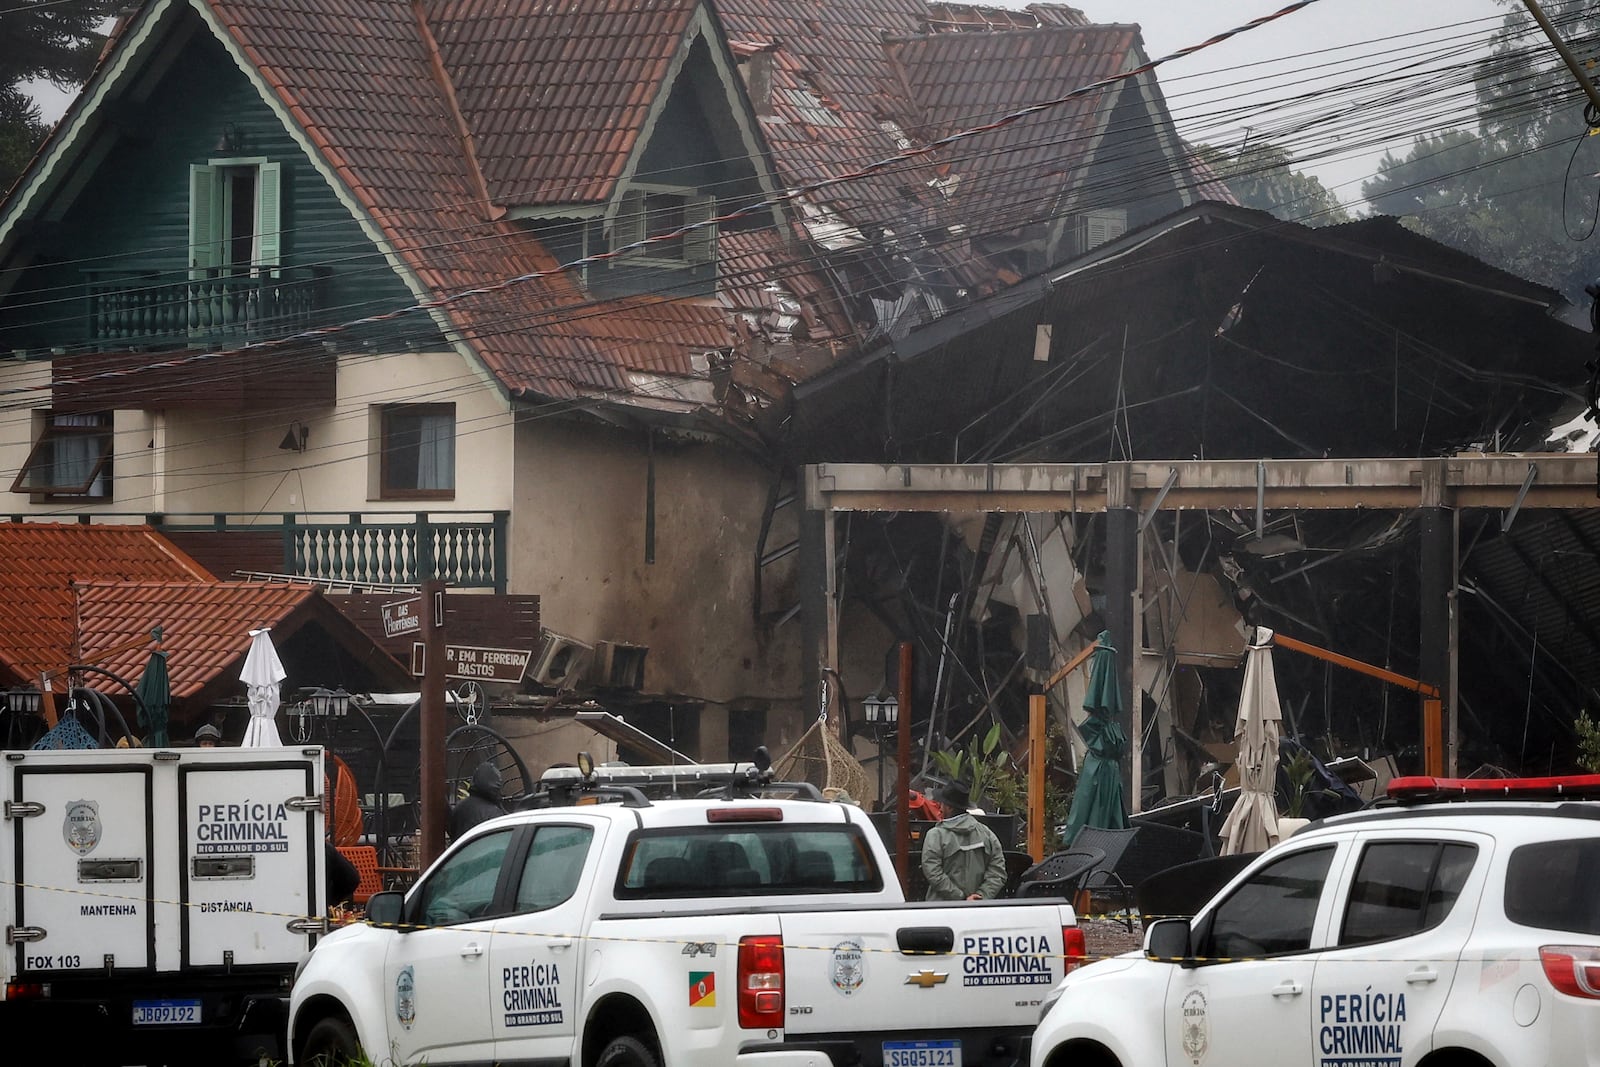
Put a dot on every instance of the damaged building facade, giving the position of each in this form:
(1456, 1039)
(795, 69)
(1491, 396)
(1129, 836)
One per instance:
(455, 326)
(1211, 407)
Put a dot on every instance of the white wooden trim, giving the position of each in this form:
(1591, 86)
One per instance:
(83, 113)
(702, 25)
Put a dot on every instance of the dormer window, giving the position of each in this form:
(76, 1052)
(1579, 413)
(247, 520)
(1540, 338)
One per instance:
(654, 211)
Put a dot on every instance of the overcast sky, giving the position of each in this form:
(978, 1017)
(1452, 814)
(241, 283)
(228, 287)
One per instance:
(1347, 32)
(1334, 29)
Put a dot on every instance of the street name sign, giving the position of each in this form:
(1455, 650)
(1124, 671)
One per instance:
(477, 664)
(402, 617)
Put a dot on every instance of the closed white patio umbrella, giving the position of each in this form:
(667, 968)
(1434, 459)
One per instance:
(263, 671)
(1252, 825)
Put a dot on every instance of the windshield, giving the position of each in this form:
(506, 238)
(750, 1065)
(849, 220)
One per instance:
(767, 859)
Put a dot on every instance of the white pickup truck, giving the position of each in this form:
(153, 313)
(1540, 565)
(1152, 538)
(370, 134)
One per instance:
(155, 902)
(734, 930)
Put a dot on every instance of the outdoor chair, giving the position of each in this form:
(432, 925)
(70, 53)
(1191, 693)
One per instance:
(364, 858)
(1060, 875)
(1105, 880)
(1156, 848)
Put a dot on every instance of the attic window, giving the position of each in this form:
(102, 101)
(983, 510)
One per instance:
(654, 212)
(72, 457)
(811, 108)
(1095, 228)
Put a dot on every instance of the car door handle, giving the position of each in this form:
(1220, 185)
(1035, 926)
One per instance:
(559, 942)
(1289, 988)
(1421, 975)
(471, 950)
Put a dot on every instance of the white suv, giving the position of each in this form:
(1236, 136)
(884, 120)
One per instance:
(1459, 927)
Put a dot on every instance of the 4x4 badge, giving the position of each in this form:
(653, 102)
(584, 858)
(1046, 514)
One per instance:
(927, 979)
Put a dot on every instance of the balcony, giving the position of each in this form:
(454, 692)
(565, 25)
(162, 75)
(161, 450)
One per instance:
(210, 307)
(134, 313)
(341, 551)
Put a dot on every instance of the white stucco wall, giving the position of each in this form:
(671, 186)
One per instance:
(182, 461)
(578, 540)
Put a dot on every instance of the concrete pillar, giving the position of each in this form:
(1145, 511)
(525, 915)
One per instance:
(816, 568)
(1122, 586)
(1437, 651)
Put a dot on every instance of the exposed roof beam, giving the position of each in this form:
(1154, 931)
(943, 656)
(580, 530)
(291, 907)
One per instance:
(1566, 481)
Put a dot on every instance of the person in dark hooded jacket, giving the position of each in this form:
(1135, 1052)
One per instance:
(481, 802)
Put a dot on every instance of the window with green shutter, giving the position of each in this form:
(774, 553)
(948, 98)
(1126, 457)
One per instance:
(647, 211)
(235, 217)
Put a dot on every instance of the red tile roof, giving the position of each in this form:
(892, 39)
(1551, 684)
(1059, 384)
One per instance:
(205, 628)
(396, 145)
(1015, 174)
(425, 108)
(556, 94)
(38, 564)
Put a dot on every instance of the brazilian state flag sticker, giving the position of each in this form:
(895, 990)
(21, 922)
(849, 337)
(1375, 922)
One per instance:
(702, 989)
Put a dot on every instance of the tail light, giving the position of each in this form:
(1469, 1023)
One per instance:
(761, 982)
(26, 990)
(1573, 969)
(1074, 948)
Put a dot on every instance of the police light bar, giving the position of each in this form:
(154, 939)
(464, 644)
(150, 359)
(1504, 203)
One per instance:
(625, 774)
(1422, 788)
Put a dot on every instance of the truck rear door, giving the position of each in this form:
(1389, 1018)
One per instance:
(252, 848)
(914, 973)
(83, 861)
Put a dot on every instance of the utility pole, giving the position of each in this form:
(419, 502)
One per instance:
(431, 786)
(1566, 54)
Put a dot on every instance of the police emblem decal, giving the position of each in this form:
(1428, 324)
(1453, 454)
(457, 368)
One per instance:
(847, 969)
(81, 829)
(1196, 1039)
(405, 997)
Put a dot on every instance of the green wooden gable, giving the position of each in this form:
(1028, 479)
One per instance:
(201, 158)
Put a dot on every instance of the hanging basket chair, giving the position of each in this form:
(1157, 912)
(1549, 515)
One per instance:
(819, 757)
(67, 733)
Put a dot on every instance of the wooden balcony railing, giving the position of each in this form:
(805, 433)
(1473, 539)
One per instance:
(212, 305)
(466, 550)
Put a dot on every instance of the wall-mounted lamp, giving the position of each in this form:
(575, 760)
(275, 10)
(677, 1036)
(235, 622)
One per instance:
(23, 700)
(882, 712)
(329, 703)
(294, 439)
(230, 139)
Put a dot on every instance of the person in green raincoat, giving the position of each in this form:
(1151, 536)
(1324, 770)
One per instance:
(962, 859)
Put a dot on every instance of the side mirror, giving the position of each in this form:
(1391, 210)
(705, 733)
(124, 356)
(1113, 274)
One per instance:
(1166, 941)
(386, 908)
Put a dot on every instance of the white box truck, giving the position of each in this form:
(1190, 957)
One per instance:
(155, 902)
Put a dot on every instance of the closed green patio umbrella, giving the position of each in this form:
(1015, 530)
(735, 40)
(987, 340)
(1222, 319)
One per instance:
(155, 700)
(1098, 799)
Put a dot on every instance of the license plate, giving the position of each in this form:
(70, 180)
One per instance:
(166, 1012)
(922, 1054)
